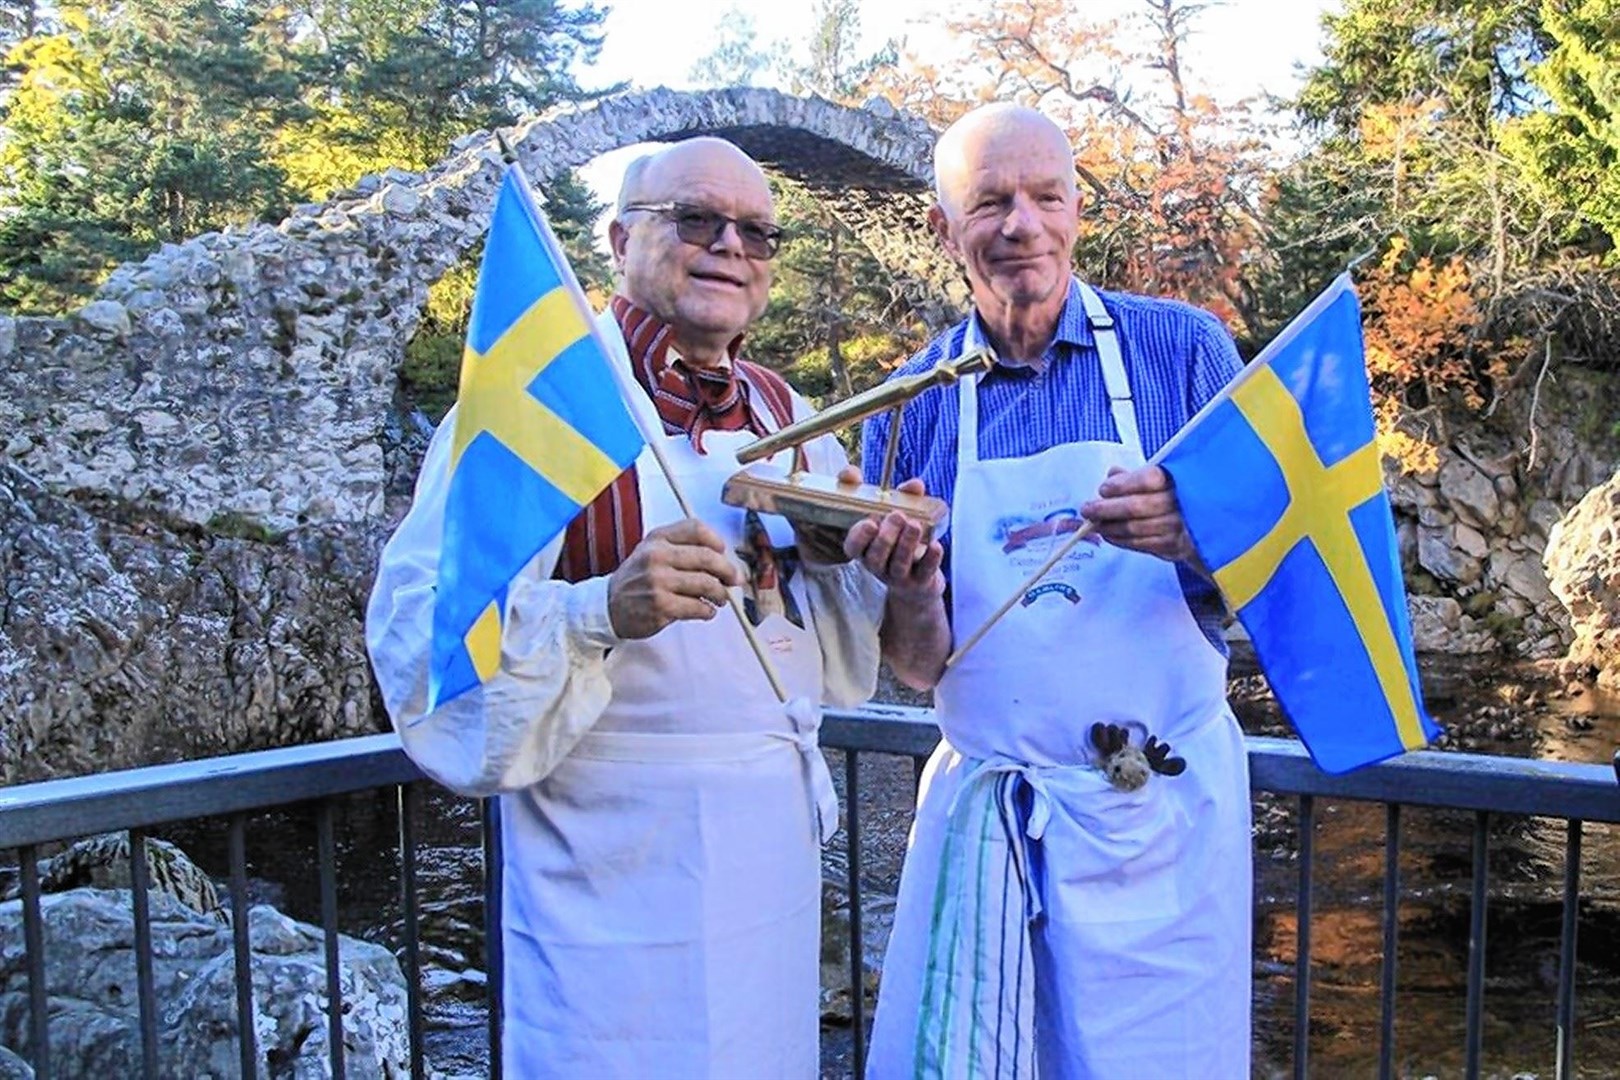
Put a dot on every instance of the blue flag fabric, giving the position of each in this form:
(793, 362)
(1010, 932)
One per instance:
(540, 430)
(1281, 486)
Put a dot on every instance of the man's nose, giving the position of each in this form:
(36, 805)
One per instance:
(1021, 220)
(729, 240)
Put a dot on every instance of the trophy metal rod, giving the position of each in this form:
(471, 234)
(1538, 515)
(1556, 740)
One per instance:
(887, 479)
(885, 395)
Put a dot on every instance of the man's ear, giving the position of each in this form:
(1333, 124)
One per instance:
(942, 229)
(618, 236)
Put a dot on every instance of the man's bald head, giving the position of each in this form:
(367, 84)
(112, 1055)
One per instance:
(981, 134)
(656, 177)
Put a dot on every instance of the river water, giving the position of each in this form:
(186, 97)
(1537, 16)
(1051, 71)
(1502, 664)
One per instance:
(1526, 872)
(1526, 868)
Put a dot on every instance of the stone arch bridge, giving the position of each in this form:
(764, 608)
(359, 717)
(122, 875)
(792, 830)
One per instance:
(200, 463)
(250, 373)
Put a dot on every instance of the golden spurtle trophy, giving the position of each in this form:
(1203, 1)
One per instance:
(822, 500)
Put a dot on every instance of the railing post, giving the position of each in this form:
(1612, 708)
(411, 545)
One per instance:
(1565, 1065)
(140, 896)
(494, 946)
(1476, 946)
(242, 947)
(1392, 923)
(857, 945)
(1302, 951)
(407, 797)
(334, 972)
(39, 1015)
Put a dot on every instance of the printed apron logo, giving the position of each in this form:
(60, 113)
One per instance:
(1018, 533)
(1027, 541)
(1050, 587)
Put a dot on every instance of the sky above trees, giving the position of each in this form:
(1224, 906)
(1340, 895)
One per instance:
(1241, 47)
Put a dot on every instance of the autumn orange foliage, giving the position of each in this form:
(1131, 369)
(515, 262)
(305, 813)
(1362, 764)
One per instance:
(1419, 324)
(1166, 174)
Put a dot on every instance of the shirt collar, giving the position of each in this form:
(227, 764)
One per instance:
(673, 356)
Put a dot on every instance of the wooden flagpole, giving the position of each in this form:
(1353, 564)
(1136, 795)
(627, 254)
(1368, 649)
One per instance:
(1289, 332)
(654, 440)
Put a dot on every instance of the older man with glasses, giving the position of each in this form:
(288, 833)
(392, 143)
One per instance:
(661, 811)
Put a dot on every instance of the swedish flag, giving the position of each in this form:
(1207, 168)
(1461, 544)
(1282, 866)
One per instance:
(540, 430)
(1281, 487)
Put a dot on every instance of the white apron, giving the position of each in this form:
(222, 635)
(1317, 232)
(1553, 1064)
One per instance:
(1048, 924)
(662, 887)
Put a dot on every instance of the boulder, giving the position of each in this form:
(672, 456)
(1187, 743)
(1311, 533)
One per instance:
(104, 862)
(90, 977)
(13, 1067)
(1469, 492)
(131, 642)
(1583, 570)
(1439, 553)
(1440, 626)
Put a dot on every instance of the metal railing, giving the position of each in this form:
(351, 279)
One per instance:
(237, 786)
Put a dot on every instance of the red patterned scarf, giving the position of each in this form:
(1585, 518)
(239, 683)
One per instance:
(690, 401)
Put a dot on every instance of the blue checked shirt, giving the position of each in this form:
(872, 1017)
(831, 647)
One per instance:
(1177, 357)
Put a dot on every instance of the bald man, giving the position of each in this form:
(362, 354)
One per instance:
(1075, 899)
(661, 811)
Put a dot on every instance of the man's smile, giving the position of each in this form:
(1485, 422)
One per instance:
(718, 278)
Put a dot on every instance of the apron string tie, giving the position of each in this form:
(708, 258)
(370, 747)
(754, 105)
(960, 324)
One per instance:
(805, 737)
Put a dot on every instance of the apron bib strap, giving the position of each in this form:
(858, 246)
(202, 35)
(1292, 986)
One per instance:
(1113, 367)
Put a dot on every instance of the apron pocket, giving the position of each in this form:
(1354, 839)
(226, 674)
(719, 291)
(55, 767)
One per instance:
(1112, 856)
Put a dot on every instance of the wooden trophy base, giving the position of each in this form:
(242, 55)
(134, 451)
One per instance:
(822, 500)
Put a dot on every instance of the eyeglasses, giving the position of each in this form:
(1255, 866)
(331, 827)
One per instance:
(701, 227)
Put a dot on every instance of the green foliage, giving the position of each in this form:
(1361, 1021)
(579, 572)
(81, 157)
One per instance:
(1571, 150)
(1456, 128)
(573, 211)
(836, 323)
(737, 58)
(1406, 105)
(132, 122)
(1469, 55)
(239, 526)
(834, 68)
(396, 80)
(866, 358)
(48, 258)
(1505, 626)
(431, 374)
(19, 19)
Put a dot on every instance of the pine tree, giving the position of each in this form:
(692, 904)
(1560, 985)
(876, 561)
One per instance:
(131, 124)
(1571, 149)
